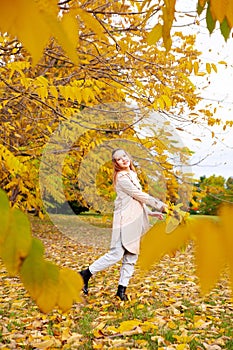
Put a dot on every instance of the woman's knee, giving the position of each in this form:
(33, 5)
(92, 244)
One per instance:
(115, 254)
(130, 259)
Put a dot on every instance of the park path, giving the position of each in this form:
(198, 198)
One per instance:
(85, 233)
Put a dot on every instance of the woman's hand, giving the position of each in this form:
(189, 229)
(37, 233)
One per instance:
(157, 214)
(165, 208)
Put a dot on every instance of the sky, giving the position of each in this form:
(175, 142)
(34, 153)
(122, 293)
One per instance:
(217, 152)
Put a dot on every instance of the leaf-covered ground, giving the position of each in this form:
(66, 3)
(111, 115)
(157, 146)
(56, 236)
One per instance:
(165, 310)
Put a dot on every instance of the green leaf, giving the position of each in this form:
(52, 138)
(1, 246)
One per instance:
(17, 242)
(209, 20)
(32, 270)
(225, 29)
(4, 212)
(40, 278)
(199, 9)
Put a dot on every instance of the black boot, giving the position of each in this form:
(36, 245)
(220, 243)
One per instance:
(121, 293)
(86, 275)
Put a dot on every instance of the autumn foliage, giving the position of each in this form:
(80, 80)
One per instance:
(85, 55)
(58, 63)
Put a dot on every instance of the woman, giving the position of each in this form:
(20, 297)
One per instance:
(130, 221)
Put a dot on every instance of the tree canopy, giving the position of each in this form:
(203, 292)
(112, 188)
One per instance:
(85, 54)
(62, 68)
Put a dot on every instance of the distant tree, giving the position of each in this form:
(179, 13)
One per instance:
(229, 183)
(214, 191)
(196, 196)
(229, 189)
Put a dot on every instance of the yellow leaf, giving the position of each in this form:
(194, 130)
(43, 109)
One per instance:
(156, 242)
(67, 33)
(209, 252)
(49, 129)
(123, 45)
(199, 323)
(183, 346)
(34, 24)
(77, 94)
(168, 17)
(171, 325)
(42, 92)
(64, 91)
(25, 82)
(202, 2)
(167, 100)
(174, 216)
(167, 42)
(208, 68)
(22, 19)
(46, 344)
(160, 103)
(229, 13)
(126, 326)
(41, 215)
(70, 285)
(71, 92)
(214, 67)
(226, 212)
(18, 66)
(101, 325)
(189, 66)
(195, 67)
(155, 34)
(17, 243)
(42, 81)
(171, 224)
(218, 9)
(197, 139)
(143, 4)
(53, 91)
(222, 62)
(49, 290)
(86, 94)
(98, 334)
(91, 23)
(147, 326)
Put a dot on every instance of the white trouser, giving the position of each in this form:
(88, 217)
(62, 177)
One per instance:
(112, 257)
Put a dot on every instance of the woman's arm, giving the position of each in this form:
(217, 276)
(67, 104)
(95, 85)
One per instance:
(127, 186)
(156, 214)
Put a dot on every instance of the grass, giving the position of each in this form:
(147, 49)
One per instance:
(171, 314)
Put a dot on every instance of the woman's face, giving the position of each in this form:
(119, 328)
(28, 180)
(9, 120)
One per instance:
(122, 159)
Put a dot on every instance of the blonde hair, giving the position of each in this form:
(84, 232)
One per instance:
(116, 167)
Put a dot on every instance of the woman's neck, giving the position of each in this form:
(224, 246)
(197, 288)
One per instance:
(127, 170)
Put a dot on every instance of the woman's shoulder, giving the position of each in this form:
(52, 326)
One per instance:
(122, 174)
(133, 173)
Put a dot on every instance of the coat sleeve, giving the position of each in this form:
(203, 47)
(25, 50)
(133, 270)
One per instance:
(127, 186)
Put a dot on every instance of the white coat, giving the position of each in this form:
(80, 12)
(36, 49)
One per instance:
(130, 218)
